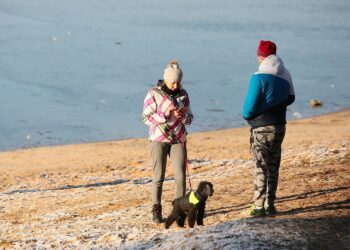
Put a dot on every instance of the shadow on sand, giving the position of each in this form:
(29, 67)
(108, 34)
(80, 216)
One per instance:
(344, 204)
(98, 184)
(140, 181)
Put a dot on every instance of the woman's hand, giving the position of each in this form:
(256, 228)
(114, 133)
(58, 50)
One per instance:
(179, 113)
(169, 111)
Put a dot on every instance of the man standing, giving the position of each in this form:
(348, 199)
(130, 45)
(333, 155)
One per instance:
(270, 92)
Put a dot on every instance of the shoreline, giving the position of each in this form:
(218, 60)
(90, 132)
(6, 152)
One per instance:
(146, 129)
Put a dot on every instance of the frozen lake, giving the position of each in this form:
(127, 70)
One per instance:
(77, 71)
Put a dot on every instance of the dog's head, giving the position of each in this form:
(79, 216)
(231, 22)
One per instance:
(205, 188)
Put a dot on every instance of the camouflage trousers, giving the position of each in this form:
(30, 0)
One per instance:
(266, 148)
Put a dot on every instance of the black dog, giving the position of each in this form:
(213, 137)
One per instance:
(192, 204)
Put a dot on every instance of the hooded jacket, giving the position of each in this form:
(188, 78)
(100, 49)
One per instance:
(270, 92)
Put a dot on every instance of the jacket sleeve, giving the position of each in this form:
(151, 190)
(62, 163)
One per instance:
(290, 100)
(151, 115)
(252, 98)
(291, 94)
(188, 117)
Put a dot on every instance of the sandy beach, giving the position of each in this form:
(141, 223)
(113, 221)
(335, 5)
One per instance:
(97, 195)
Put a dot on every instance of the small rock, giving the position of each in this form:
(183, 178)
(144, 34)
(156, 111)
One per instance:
(315, 103)
(44, 176)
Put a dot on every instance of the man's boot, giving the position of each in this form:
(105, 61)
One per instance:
(157, 213)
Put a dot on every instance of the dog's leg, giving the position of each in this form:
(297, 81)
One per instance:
(200, 214)
(181, 219)
(172, 217)
(192, 217)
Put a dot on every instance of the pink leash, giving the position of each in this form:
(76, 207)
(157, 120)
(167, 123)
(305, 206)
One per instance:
(186, 161)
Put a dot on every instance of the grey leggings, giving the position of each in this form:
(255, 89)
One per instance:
(160, 151)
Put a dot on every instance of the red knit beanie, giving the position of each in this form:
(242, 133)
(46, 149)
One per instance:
(266, 48)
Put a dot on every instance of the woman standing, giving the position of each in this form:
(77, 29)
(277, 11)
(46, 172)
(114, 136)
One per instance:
(166, 111)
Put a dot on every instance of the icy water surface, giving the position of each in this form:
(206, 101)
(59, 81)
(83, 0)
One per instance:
(77, 71)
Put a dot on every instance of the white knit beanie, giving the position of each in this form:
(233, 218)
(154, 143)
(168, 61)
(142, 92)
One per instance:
(172, 73)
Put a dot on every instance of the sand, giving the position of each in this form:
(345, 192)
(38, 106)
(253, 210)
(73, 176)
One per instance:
(97, 195)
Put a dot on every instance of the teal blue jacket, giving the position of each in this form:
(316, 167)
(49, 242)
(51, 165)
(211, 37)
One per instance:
(270, 91)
